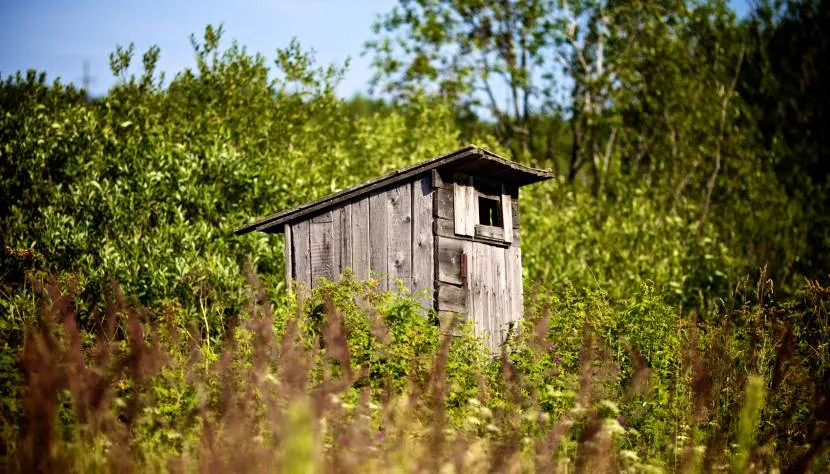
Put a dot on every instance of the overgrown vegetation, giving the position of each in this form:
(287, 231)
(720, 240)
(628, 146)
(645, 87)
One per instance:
(329, 384)
(692, 171)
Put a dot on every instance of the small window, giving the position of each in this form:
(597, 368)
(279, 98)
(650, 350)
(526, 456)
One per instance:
(489, 211)
(481, 209)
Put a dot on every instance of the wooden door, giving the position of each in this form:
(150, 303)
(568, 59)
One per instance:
(487, 302)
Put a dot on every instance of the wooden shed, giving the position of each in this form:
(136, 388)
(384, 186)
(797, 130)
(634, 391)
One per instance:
(447, 228)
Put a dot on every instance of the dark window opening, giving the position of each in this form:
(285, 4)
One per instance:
(489, 212)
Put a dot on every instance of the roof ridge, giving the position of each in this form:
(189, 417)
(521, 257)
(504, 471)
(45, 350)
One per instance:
(279, 218)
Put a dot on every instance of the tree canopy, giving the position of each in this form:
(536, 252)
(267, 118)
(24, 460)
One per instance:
(675, 271)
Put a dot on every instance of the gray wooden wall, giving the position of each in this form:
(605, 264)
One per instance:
(487, 287)
(385, 235)
(412, 233)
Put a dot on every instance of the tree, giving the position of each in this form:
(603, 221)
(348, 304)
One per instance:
(597, 65)
(471, 52)
(785, 85)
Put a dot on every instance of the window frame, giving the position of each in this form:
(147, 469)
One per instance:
(468, 193)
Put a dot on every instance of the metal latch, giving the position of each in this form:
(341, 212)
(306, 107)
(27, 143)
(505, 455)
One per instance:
(463, 269)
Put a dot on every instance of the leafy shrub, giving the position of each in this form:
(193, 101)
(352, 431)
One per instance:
(351, 379)
(638, 350)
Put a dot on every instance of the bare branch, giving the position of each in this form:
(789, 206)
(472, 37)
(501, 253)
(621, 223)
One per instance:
(710, 186)
(608, 148)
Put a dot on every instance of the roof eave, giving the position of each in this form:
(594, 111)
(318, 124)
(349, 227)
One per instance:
(275, 223)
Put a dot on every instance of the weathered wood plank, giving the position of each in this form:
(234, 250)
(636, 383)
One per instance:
(473, 288)
(341, 223)
(490, 232)
(423, 241)
(471, 203)
(449, 259)
(444, 227)
(481, 289)
(496, 311)
(399, 241)
(509, 286)
(337, 238)
(345, 239)
(514, 282)
(467, 251)
(321, 251)
(302, 254)
(289, 259)
(460, 195)
(321, 218)
(507, 214)
(451, 298)
(514, 210)
(500, 316)
(492, 303)
(360, 239)
(443, 204)
(476, 290)
(477, 287)
(492, 311)
(518, 294)
(378, 238)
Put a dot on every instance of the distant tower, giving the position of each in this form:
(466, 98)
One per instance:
(87, 80)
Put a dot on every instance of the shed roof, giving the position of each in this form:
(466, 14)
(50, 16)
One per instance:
(470, 159)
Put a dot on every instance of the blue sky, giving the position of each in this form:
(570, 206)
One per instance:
(58, 36)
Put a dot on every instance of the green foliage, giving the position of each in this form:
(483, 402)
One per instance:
(617, 244)
(350, 377)
(675, 103)
(783, 83)
(642, 347)
(750, 417)
(145, 185)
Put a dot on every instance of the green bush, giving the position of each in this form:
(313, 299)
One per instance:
(640, 348)
(352, 379)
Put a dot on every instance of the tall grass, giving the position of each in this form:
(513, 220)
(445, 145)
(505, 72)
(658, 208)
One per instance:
(332, 385)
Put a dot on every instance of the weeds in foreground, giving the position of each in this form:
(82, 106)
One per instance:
(337, 386)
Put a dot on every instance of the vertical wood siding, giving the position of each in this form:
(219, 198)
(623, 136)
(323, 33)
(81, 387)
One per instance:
(321, 248)
(513, 280)
(423, 253)
(378, 238)
(342, 246)
(466, 205)
(399, 235)
(302, 255)
(411, 233)
(289, 258)
(490, 293)
(360, 238)
(387, 235)
(507, 214)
